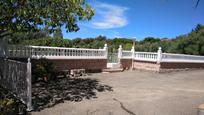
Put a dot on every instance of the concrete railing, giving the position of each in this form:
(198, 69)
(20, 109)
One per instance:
(158, 56)
(169, 57)
(36, 52)
(16, 77)
(127, 54)
(17, 51)
(146, 56)
(143, 56)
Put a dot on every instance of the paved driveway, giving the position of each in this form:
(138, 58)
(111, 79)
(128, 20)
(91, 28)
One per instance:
(140, 93)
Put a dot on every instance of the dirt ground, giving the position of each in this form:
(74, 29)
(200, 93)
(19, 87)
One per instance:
(140, 93)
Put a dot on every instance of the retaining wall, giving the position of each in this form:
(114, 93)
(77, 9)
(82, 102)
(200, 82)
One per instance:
(92, 65)
(146, 65)
(166, 66)
(181, 65)
(126, 63)
(87, 64)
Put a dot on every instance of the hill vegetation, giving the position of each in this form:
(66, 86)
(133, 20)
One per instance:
(191, 43)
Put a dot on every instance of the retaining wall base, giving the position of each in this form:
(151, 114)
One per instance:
(166, 67)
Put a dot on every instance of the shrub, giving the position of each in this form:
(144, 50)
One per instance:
(9, 104)
(43, 70)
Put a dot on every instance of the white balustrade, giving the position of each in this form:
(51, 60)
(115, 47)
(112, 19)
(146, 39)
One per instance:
(127, 54)
(169, 57)
(16, 76)
(146, 56)
(17, 51)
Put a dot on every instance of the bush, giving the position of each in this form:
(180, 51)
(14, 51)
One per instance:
(10, 105)
(43, 70)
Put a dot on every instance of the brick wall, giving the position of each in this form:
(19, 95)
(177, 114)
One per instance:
(126, 63)
(165, 66)
(180, 65)
(87, 64)
(146, 65)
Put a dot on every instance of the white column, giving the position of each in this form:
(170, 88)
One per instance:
(106, 51)
(29, 86)
(133, 52)
(4, 48)
(120, 49)
(159, 55)
(133, 56)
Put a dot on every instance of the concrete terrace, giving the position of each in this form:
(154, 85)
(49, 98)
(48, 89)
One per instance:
(140, 93)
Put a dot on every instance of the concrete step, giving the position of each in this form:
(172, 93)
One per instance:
(113, 65)
(112, 70)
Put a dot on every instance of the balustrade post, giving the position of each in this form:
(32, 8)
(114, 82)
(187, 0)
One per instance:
(29, 86)
(120, 49)
(159, 55)
(106, 50)
(133, 52)
(133, 56)
(4, 48)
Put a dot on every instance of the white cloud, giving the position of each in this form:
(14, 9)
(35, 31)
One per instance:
(109, 16)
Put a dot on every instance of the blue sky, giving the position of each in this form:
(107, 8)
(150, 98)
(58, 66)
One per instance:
(140, 18)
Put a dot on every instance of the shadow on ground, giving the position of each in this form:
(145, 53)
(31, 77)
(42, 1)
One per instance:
(48, 94)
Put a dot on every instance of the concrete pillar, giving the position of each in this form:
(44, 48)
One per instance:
(106, 50)
(133, 56)
(159, 55)
(3, 47)
(29, 86)
(120, 49)
(120, 52)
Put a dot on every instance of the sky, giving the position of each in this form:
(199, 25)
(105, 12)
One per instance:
(137, 19)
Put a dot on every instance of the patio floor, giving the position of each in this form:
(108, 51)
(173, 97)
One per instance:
(140, 93)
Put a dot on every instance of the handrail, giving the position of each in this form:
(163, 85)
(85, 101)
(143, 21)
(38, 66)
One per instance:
(181, 57)
(126, 54)
(47, 47)
(146, 56)
(20, 51)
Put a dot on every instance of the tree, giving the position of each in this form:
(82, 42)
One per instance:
(30, 15)
(20, 36)
(198, 1)
(58, 34)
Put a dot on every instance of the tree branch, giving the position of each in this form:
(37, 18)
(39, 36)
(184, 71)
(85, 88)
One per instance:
(198, 1)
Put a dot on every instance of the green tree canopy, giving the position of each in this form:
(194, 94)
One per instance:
(58, 34)
(31, 15)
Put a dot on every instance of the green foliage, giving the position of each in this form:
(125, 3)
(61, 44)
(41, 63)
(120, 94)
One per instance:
(29, 15)
(58, 34)
(192, 43)
(43, 70)
(9, 104)
(21, 36)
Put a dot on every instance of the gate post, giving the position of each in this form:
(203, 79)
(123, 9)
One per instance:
(3, 48)
(159, 55)
(29, 86)
(120, 53)
(133, 56)
(106, 51)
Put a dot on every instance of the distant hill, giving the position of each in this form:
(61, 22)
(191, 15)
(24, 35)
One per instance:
(191, 43)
